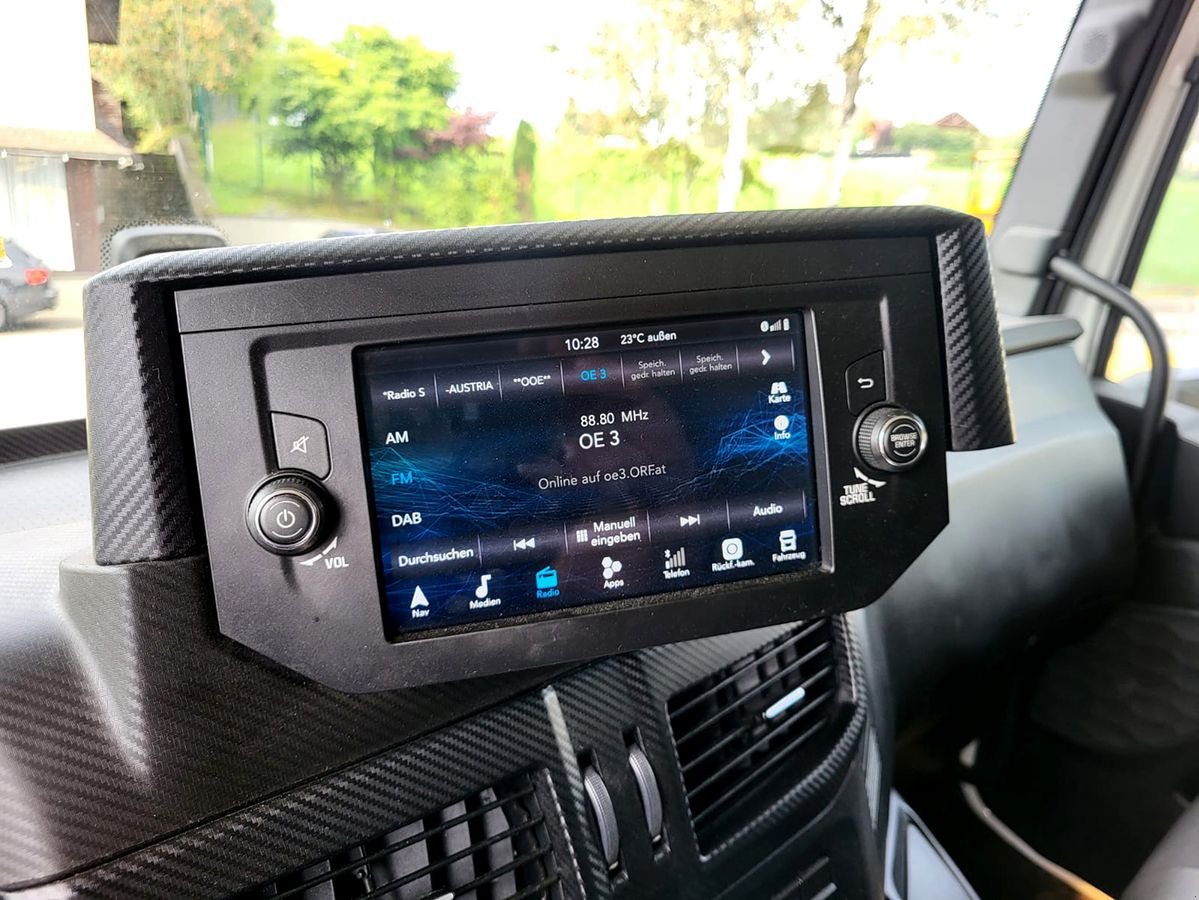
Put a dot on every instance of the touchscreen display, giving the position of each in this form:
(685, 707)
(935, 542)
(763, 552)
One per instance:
(532, 473)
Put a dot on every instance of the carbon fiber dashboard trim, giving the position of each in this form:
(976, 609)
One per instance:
(144, 497)
(18, 444)
(591, 710)
(126, 717)
(980, 413)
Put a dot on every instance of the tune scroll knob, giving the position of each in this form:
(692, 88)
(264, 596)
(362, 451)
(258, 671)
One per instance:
(891, 439)
(288, 514)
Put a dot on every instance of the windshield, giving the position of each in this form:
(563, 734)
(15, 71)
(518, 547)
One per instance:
(306, 119)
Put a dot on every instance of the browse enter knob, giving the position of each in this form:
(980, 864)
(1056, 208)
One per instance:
(891, 439)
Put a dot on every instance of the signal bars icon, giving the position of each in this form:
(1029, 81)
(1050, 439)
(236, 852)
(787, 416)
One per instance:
(776, 325)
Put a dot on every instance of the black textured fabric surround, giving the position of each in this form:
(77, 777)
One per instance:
(144, 498)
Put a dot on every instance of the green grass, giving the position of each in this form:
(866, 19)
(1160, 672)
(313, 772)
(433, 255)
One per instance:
(576, 178)
(249, 179)
(1171, 262)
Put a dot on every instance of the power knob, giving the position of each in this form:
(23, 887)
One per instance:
(288, 514)
(891, 439)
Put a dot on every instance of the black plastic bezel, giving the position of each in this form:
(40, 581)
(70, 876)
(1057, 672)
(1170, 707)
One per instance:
(327, 623)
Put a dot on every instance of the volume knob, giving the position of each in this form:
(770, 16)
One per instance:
(288, 514)
(891, 439)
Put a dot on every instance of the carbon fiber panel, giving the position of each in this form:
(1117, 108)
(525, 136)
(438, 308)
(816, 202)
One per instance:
(17, 444)
(143, 492)
(980, 414)
(125, 717)
(591, 711)
(144, 499)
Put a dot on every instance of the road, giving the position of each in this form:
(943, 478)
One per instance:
(41, 358)
(41, 362)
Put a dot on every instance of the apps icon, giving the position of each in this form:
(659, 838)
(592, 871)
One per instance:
(732, 549)
(611, 567)
(547, 578)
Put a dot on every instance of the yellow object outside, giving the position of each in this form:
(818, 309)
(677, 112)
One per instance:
(990, 174)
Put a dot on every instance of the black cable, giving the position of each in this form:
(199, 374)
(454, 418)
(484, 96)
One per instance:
(1154, 412)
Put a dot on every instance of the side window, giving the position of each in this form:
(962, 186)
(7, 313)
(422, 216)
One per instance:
(1168, 283)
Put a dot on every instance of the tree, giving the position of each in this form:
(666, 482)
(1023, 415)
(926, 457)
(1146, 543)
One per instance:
(731, 35)
(861, 28)
(398, 91)
(716, 45)
(524, 159)
(169, 47)
(794, 125)
(370, 97)
(315, 112)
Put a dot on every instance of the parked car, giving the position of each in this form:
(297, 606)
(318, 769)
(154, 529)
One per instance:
(25, 284)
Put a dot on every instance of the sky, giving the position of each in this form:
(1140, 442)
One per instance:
(515, 58)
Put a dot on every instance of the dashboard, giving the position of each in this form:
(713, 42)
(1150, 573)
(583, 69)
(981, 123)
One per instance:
(531, 561)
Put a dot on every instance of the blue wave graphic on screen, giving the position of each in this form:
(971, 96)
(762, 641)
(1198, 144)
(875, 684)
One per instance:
(448, 498)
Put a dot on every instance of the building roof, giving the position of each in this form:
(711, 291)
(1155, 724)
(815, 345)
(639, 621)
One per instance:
(956, 120)
(93, 144)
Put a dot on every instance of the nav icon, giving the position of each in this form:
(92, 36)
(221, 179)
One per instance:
(419, 607)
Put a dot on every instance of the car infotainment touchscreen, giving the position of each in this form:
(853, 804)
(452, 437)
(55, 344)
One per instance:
(533, 473)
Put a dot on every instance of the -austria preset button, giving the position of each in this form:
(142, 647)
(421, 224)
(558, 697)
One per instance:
(457, 386)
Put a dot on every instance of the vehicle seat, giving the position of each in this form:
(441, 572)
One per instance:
(1172, 870)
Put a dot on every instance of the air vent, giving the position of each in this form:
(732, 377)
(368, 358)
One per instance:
(734, 728)
(487, 846)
